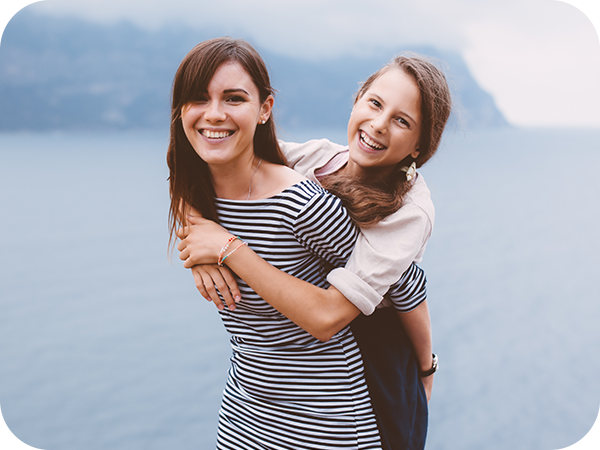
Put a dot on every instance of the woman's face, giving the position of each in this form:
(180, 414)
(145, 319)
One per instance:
(385, 124)
(221, 125)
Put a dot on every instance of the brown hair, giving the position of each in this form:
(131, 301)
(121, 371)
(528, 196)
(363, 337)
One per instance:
(370, 200)
(190, 183)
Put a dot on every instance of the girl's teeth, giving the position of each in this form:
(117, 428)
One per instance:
(370, 143)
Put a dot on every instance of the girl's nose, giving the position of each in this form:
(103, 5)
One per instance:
(379, 124)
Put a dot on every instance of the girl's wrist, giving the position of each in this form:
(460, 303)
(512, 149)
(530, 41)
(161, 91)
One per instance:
(227, 249)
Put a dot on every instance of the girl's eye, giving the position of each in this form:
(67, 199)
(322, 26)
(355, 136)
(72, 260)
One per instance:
(403, 122)
(375, 103)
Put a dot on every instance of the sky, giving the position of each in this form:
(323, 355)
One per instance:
(540, 59)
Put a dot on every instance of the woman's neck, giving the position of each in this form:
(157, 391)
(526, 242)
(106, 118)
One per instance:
(235, 181)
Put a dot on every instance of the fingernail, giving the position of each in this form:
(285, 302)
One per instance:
(220, 307)
(231, 307)
(238, 298)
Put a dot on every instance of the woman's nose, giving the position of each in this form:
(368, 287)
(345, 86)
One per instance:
(215, 112)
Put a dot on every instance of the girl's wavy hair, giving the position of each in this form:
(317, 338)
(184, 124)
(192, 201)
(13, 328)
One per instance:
(190, 182)
(371, 199)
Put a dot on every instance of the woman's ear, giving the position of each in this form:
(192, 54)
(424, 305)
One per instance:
(415, 153)
(265, 109)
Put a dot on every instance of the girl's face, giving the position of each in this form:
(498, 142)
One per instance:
(385, 124)
(221, 124)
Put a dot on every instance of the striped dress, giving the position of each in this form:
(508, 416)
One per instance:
(286, 389)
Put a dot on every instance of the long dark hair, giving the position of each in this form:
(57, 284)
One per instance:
(371, 199)
(190, 183)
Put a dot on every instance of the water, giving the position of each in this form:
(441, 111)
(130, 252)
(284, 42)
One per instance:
(106, 344)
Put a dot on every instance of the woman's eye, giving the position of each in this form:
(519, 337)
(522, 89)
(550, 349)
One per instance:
(375, 103)
(235, 99)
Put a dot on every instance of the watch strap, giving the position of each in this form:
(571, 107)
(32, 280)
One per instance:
(434, 367)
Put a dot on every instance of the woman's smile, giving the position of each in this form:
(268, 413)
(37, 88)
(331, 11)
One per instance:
(225, 116)
(215, 134)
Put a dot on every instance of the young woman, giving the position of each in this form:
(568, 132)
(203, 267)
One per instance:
(285, 388)
(398, 119)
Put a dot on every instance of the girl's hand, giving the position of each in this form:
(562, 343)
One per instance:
(209, 276)
(201, 242)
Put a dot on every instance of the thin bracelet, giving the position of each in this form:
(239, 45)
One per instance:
(231, 252)
(224, 249)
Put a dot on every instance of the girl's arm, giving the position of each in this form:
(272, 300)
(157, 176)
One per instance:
(388, 248)
(416, 322)
(321, 312)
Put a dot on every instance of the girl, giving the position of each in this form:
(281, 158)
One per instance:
(396, 124)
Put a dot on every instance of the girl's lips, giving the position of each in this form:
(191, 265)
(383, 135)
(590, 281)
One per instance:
(368, 144)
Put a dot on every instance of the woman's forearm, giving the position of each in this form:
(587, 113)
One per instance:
(320, 312)
(417, 325)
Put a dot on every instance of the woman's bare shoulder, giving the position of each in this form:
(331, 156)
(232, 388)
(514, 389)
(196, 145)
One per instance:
(280, 178)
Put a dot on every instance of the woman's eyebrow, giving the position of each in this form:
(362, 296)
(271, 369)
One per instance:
(229, 91)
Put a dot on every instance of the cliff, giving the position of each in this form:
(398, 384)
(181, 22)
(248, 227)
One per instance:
(59, 73)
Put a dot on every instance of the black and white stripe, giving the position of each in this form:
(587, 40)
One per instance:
(410, 290)
(286, 389)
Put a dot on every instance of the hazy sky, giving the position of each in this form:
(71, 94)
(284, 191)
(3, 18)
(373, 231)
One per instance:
(540, 59)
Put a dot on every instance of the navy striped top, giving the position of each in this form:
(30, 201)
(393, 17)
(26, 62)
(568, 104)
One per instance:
(286, 389)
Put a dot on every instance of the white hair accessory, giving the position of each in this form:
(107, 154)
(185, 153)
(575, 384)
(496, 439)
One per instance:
(411, 171)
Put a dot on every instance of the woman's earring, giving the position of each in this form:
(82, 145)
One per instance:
(262, 122)
(410, 171)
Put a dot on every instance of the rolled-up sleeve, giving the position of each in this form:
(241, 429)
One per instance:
(384, 252)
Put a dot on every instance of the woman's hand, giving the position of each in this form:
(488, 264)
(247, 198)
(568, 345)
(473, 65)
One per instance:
(209, 278)
(201, 242)
(428, 385)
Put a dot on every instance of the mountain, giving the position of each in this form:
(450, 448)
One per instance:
(65, 73)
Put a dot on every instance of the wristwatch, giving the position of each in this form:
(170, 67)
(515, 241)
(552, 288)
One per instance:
(434, 367)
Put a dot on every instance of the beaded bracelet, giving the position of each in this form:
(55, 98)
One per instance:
(224, 249)
(231, 252)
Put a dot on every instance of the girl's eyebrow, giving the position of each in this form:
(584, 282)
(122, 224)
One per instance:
(404, 113)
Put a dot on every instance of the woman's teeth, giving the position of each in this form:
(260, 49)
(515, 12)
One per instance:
(215, 134)
(374, 145)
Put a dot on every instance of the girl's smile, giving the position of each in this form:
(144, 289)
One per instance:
(369, 144)
(385, 124)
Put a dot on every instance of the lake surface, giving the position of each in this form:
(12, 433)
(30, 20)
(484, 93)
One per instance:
(105, 344)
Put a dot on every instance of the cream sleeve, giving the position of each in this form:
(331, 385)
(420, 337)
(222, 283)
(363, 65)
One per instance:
(384, 251)
(308, 156)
